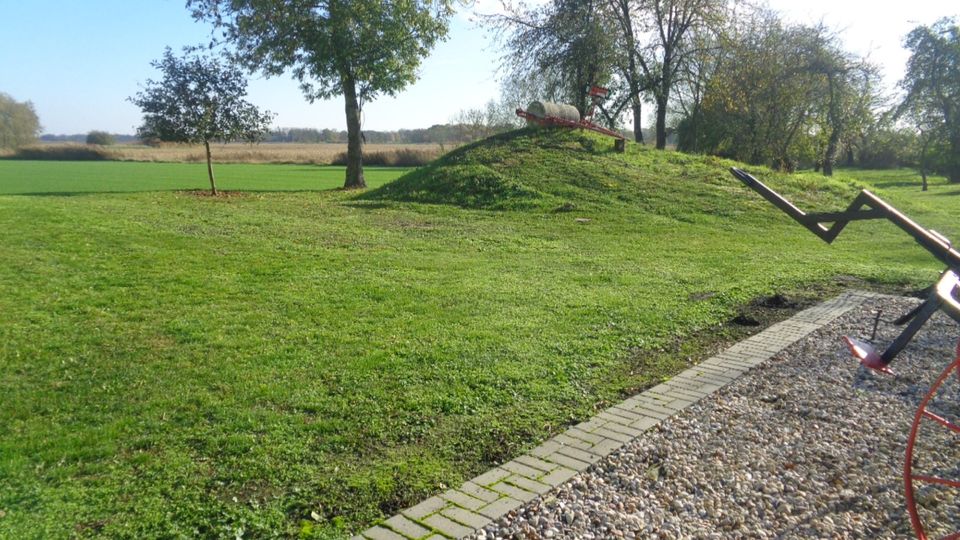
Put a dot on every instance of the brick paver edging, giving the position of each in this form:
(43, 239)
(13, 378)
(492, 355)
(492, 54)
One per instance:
(459, 512)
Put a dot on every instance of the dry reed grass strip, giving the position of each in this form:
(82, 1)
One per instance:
(405, 155)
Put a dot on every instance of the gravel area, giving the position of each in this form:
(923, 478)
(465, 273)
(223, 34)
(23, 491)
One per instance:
(807, 445)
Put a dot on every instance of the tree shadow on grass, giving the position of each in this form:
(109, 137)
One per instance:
(62, 193)
(368, 205)
(897, 184)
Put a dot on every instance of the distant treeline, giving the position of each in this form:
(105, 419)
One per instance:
(436, 134)
(452, 134)
(81, 138)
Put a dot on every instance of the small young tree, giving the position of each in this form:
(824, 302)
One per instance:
(199, 100)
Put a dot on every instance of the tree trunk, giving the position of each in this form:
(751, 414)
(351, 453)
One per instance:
(633, 75)
(831, 151)
(213, 184)
(835, 129)
(923, 161)
(637, 116)
(954, 166)
(661, 122)
(354, 178)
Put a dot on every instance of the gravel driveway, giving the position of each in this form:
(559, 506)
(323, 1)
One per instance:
(807, 445)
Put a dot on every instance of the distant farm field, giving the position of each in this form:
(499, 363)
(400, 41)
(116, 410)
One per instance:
(295, 361)
(310, 154)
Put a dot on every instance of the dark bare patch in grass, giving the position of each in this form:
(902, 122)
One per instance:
(221, 194)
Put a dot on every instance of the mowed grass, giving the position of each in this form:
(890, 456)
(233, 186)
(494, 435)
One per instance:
(76, 177)
(281, 364)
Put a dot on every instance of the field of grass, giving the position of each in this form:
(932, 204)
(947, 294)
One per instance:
(284, 363)
(76, 177)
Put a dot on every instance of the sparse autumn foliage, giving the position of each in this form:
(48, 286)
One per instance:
(559, 49)
(199, 100)
(780, 94)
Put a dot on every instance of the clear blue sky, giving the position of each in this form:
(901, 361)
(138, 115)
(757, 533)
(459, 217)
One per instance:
(78, 60)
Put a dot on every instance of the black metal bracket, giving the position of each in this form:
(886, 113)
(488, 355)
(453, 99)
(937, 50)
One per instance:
(868, 206)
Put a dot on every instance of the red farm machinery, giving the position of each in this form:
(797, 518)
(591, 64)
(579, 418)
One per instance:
(547, 114)
(944, 297)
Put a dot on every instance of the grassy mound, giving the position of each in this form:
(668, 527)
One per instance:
(566, 170)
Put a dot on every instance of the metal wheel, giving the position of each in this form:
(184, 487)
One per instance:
(931, 494)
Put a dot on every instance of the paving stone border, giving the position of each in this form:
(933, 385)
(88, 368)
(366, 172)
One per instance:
(459, 512)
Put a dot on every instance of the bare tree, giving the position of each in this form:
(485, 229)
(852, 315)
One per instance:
(559, 49)
(670, 25)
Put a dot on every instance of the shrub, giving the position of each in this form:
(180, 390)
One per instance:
(100, 138)
(401, 157)
(19, 124)
(62, 152)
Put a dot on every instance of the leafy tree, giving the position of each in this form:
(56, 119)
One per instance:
(471, 124)
(19, 124)
(776, 94)
(884, 146)
(199, 100)
(932, 84)
(101, 138)
(754, 108)
(354, 48)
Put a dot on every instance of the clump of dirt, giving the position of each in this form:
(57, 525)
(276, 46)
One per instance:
(744, 320)
(776, 301)
(204, 193)
(750, 318)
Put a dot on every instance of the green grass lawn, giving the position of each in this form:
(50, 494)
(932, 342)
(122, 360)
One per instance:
(304, 363)
(75, 177)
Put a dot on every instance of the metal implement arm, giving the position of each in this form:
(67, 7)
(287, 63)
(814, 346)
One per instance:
(868, 206)
(865, 206)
